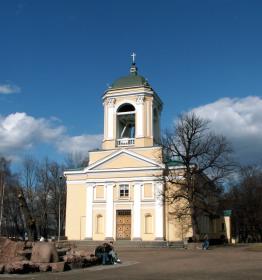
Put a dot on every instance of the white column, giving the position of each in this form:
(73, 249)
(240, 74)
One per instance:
(89, 211)
(109, 211)
(159, 212)
(105, 120)
(140, 116)
(137, 212)
(110, 117)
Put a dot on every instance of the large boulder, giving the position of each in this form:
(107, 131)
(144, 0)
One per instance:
(21, 267)
(11, 251)
(44, 252)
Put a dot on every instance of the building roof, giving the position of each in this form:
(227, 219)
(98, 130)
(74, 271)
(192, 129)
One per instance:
(174, 163)
(131, 80)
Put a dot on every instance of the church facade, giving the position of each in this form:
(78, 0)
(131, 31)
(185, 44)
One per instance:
(119, 194)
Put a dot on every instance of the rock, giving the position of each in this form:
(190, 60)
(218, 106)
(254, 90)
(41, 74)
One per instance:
(72, 258)
(44, 267)
(2, 268)
(44, 252)
(17, 267)
(10, 251)
(28, 244)
(58, 266)
(82, 253)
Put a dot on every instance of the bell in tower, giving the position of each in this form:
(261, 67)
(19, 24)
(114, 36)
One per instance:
(131, 112)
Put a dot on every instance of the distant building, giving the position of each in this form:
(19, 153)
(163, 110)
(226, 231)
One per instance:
(118, 195)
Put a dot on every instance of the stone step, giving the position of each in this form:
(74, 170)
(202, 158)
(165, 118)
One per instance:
(127, 244)
(176, 244)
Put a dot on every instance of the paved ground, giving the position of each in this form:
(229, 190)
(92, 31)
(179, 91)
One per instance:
(163, 264)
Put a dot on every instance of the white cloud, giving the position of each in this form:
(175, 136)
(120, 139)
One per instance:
(240, 120)
(79, 144)
(20, 132)
(9, 89)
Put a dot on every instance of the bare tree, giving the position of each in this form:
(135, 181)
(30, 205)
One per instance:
(76, 160)
(30, 222)
(29, 184)
(197, 161)
(245, 201)
(4, 173)
(57, 197)
(11, 218)
(43, 192)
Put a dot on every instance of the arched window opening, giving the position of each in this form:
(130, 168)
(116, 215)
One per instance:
(125, 125)
(126, 108)
(99, 224)
(148, 223)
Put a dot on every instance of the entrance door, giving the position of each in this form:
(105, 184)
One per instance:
(123, 224)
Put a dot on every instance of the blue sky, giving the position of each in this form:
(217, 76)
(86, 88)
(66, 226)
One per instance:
(57, 57)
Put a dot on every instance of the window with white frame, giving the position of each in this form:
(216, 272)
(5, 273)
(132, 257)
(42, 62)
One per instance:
(124, 191)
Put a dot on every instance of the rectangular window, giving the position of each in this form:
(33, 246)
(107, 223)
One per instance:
(123, 191)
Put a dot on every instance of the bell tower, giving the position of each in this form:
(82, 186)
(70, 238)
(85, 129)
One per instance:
(132, 111)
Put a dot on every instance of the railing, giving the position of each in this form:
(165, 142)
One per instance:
(125, 142)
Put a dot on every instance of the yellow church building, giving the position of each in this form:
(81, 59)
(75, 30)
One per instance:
(119, 194)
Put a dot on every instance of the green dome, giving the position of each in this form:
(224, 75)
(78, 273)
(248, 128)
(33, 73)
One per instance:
(132, 80)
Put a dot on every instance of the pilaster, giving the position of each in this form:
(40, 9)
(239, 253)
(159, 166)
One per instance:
(89, 211)
(159, 212)
(137, 212)
(140, 116)
(110, 117)
(109, 212)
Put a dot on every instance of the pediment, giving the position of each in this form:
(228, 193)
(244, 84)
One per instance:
(124, 159)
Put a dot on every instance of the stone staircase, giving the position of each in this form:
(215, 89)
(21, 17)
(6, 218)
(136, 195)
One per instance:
(86, 244)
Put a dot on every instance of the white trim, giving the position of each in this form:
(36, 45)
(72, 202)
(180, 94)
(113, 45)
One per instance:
(117, 203)
(123, 151)
(89, 211)
(159, 212)
(124, 169)
(114, 170)
(140, 120)
(76, 182)
(125, 93)
(127, 101)
(137, 211)
(134, 149)
(109, 210)
(125, 198)
(113, 180)
(114, 154)
(110, 123)
(147, 119)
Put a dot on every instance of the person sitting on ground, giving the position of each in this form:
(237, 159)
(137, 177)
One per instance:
(112, 254)
(205, 244)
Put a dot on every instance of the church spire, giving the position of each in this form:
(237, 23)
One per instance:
(133, 68)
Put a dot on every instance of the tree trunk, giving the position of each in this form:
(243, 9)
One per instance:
(195, 226)
(29, 221)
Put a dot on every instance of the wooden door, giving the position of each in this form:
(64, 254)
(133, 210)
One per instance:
(123, 224)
